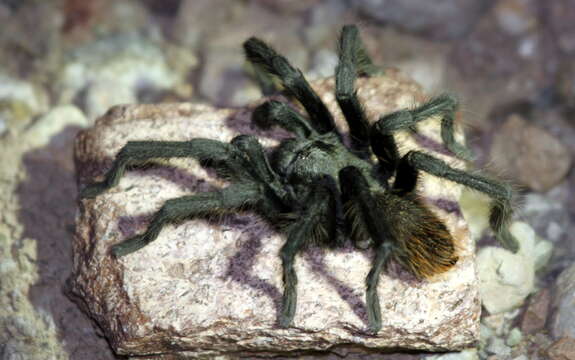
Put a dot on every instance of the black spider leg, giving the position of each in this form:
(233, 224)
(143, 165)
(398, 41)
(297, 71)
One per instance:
(345, 92)
(319, 221)
(443, 105)
(242, 161)
(136, 153)
(355, 188)
(261, 54)
(277, 113)
(264, 80)
(234, 197)
(501, 209)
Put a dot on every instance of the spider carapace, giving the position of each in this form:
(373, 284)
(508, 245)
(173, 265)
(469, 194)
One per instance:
(316, 189)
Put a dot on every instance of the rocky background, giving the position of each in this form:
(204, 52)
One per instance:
(65, 62)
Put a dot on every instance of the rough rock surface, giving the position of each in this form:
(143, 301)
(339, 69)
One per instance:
(208, 288)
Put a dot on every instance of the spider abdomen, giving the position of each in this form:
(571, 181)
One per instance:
(422, 242)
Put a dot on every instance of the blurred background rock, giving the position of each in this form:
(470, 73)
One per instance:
(65, 62)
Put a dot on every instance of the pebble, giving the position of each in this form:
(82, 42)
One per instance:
(15, 115)
(113, 71)
(548, 213)
(506, 279)
(223, 80)
(289, 6)
(516, 17)
(566, 82)
(469, 354)
(529, 154)
(429, 71)
(440, 19)
(23, 91)
(323, 64)
(563, 323)
(498, 347)
(562, 349)
(54, 121)
(514, 337)
(535, 315)
(198, 20)
(324, 23)
(563, 12)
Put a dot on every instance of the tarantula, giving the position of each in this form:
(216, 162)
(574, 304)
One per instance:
(319, 190)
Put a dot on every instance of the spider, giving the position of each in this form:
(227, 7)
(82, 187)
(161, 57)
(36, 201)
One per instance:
(316, 189)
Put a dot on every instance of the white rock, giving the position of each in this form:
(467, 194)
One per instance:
(125, 62)
(16, 89)
(514, 337)
(542, 253)
(498, 347)
(506, 279)
(53, 122)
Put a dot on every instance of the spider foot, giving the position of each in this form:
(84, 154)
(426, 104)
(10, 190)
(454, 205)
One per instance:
(373, 314)
(374, 328)
(288, 312)
(129, 246)
(93, 190)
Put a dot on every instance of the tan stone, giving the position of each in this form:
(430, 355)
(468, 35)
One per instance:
(562, 349)
(530, 155)
(535, 315)
(209, 288)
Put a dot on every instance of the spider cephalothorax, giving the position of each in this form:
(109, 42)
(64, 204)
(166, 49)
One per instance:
(316, 189)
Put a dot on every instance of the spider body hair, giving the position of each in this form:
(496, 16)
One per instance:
(314, 188)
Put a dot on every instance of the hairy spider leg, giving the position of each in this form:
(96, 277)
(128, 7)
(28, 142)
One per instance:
(235, 197)
(260, 169)
(242, 161)
(444, 105)
(345, 74)
(501, 209)
(385, 148)
(278, 113)
(137, 153)
(261, 54)
(355, 192)
(319, 221)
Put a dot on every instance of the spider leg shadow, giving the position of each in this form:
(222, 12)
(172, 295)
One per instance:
(241, 264)
(176, 175)
(316, 258)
